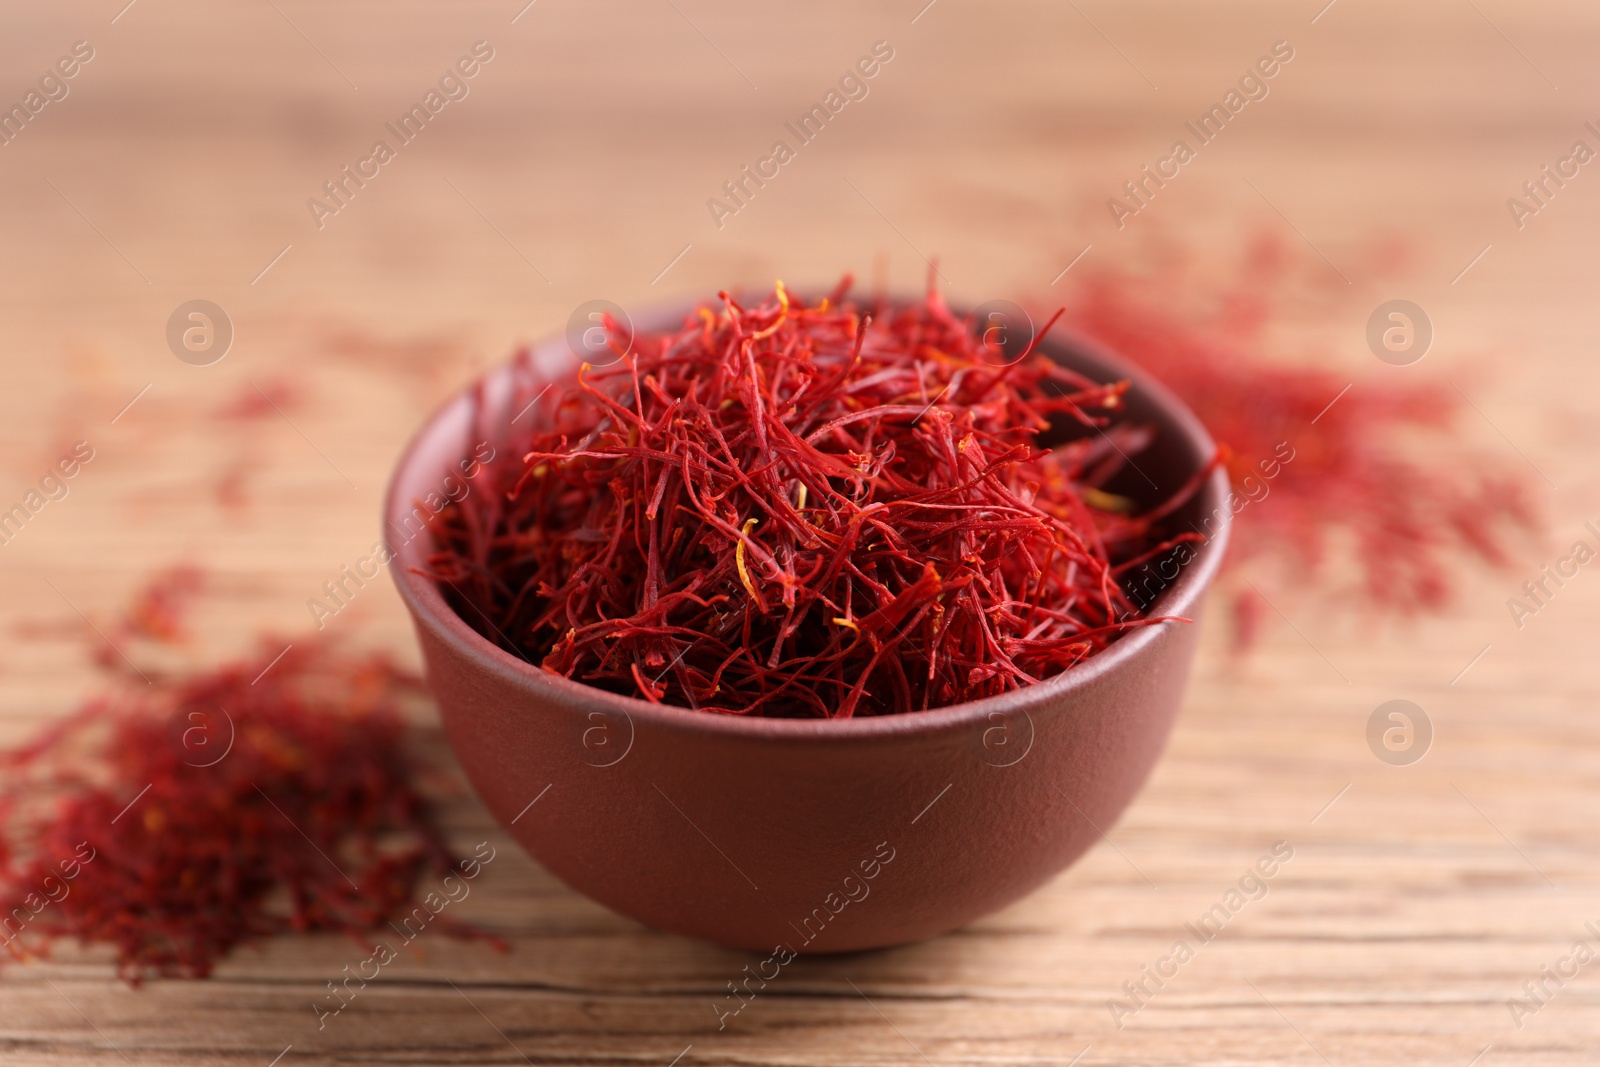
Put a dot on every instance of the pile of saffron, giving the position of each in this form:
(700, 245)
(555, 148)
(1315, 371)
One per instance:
(805, 511)
(176, 820)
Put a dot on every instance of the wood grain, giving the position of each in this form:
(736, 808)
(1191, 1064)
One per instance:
(180, 164)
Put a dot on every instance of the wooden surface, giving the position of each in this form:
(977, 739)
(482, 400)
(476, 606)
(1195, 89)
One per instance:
(1419, 898)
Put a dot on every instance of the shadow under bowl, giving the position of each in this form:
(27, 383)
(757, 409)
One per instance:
(819, 836)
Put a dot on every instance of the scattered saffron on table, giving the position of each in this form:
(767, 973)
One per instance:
(268, 398)
(805, 511)
(160, 609)
(177, 821)
(1365, 493)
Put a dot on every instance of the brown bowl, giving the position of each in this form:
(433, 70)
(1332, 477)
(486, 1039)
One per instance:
(807, 835)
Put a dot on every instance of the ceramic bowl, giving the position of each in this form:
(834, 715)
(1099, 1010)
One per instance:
(812, 836)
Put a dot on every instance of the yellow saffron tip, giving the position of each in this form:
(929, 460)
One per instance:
(783, 301)
(847, 622)
(738, 559)
(1105, 501)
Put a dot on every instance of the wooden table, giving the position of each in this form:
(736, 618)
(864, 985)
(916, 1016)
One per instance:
(1419, 898)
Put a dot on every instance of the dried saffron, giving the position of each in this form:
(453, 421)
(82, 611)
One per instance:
(157, 613)
(260, 400)
(158, 610)
(194, 814)
(805, 511)
(1319, 462)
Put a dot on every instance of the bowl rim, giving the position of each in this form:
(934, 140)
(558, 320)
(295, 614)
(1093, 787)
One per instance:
(432, 612)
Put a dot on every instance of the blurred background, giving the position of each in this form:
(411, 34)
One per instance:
(178, 161)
